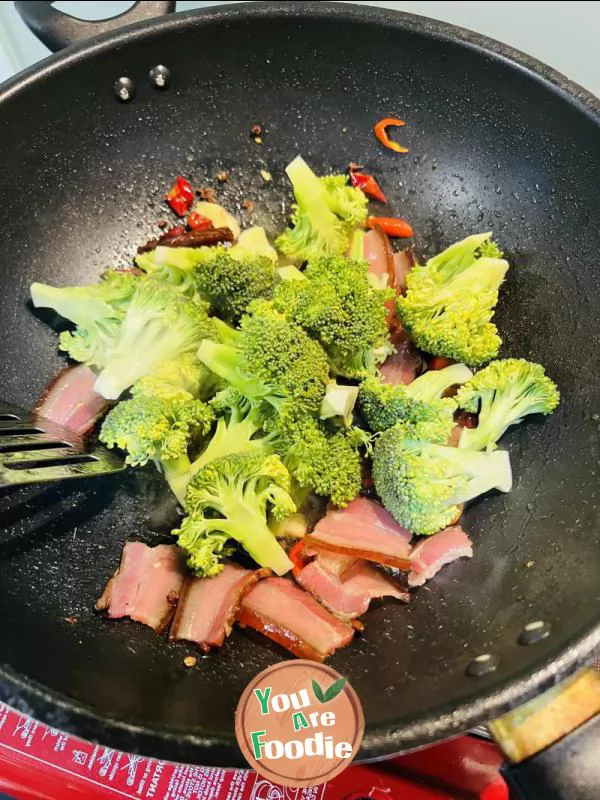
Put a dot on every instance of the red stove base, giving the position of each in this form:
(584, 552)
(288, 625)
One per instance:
(41, 763)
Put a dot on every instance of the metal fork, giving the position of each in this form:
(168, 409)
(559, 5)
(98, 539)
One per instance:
(35, 450)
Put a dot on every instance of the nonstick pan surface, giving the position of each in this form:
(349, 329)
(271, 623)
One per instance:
(497, 142)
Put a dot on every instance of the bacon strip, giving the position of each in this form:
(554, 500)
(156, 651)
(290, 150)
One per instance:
(404, 261)
(405, 364)
(434, 552)
(147, 585)
(350, 595)
(378, 254)
(207, 606)
(364, 530)
(334, 563)
(289, 616)
(70, 401)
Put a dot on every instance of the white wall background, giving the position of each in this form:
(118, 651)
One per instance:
(564, 35)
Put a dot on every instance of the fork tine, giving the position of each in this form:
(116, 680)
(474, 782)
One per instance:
(103, 463)
(48, 454)
(27, 439)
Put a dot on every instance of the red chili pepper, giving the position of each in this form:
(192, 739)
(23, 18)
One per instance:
(176, 230)
(197, 222)
(180, 196)
(440, 362)
(394, 226)
(296, 556)
(381, 133)
(368, 185)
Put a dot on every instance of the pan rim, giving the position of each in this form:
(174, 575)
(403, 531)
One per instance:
(381, 740)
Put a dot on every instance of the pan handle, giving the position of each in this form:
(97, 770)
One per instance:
(552, 742)
(56, 29)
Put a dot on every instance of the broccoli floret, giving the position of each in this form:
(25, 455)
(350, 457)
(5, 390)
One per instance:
(339, 307)
(450, 301)
(96, 309)
(159, 423)
(272, 360)
(319, 456)
(504, 393)
(316, 229)
(229, 498)
(422, 484)
(236, 431)
(170, 378)
(347, 202)
(421, 401)
(230, 285)
(193, 270)
(490, 249)
(159, 325)
(80, 304)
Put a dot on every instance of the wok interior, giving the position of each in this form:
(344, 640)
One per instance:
(491, 148)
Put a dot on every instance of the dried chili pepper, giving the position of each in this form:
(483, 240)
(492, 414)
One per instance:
(297, 558)
(180, 196)
(394, 226)
(368, 185)
(381, 133)
(197, 222)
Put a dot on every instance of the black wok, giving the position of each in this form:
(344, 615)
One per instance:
(497, 142)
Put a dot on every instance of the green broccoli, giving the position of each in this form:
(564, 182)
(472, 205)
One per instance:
(229, 285)
(229, 498)
(227, 277)
(382, 405)
(339, 401)
(159, 325)
(347, 202)
(160, 422)
(79, 304)
(322, 216)
(272, 360)
(339, 307)
(319, 456)
(504, 393)
(283, 375)
(450, 301)
(423, 484)
(185, 373)
(97, 310)
(127, 326)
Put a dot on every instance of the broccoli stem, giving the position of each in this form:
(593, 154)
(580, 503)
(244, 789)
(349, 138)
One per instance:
(485, 470)
(229, 439)
(456, 258)
(339, 401)
(224, 360)
(291, 273)
(357, 247)
(309, 191)
(432, 384)
(248, 526)
(227, 333)
(178, 473)
(495, 416)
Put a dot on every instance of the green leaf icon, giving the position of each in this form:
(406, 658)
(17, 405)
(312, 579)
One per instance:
(318, 692)
(334, 689)
(331, 693)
